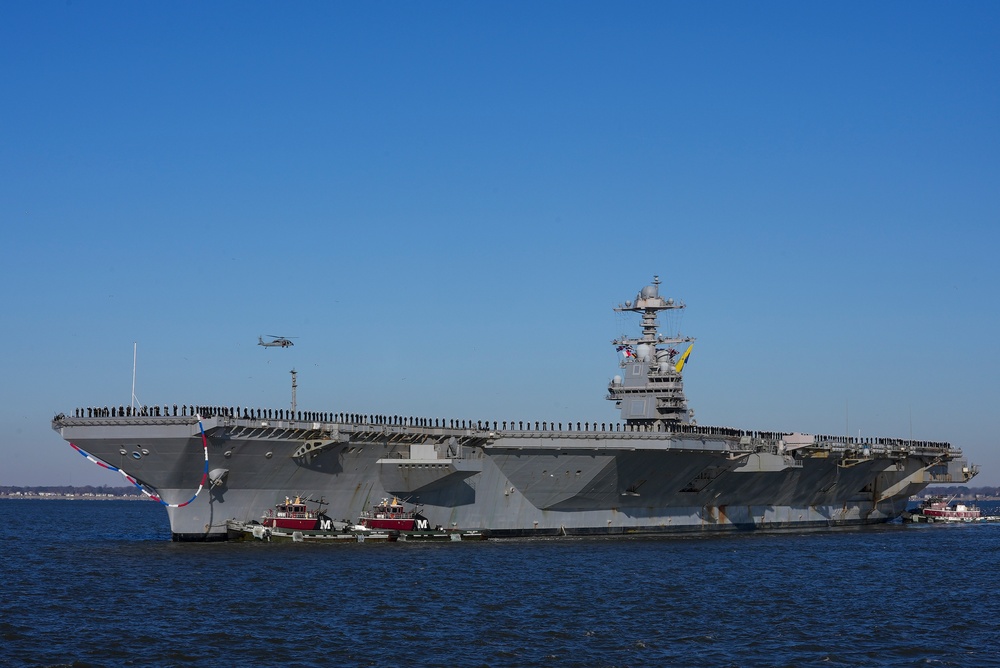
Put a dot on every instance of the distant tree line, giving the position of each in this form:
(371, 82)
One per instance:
(102, 490)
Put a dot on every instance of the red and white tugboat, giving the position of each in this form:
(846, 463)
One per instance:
(392, 516)
(294, 516)
(409, 525)
(936, 509)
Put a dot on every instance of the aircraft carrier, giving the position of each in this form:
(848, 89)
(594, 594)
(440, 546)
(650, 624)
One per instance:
(652, 471)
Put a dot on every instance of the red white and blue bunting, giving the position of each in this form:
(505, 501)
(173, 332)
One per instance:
(141, 486)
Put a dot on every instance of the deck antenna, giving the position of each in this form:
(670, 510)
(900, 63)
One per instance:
(294, 385)
(847, 419)
(911, 424)
(132, 404)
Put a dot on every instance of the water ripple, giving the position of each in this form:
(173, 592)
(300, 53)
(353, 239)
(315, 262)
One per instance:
(102, 585)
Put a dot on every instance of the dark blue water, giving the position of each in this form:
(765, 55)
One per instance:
(98, 583)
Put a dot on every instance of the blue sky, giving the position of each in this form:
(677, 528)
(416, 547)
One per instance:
(444, 201)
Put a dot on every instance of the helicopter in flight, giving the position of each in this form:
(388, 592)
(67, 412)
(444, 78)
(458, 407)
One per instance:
(276, 341)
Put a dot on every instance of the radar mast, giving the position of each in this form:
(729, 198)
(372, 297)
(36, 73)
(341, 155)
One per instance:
(650, 390)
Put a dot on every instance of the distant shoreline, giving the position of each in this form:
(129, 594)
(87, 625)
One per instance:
(70, 493)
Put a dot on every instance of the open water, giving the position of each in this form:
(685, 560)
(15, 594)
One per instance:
(99, 583)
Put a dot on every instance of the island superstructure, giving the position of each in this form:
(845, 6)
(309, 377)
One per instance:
(653, 471)
(651, 393)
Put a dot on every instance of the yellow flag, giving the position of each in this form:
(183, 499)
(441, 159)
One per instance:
(683, 360)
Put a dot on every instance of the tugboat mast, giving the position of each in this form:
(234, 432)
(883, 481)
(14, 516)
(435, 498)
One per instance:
(651, 389)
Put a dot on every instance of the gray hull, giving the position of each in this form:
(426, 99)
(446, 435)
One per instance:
(601, 480)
